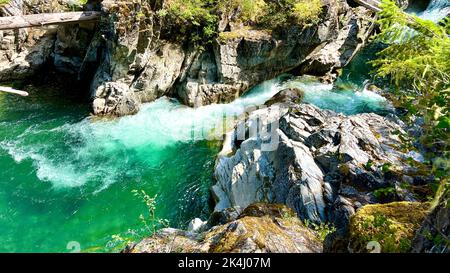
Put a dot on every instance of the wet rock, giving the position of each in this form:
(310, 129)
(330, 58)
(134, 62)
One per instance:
(290, 95)
(118, 100)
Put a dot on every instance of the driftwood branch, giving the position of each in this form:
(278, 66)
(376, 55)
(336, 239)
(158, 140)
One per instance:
(13, 91)
(44, 19)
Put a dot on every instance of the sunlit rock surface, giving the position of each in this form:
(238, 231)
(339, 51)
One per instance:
(322, 164)
(260, 228)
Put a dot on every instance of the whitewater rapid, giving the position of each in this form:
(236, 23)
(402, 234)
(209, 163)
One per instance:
(436, 10)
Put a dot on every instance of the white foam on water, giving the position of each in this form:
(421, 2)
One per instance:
(436, 10)
(104, 150)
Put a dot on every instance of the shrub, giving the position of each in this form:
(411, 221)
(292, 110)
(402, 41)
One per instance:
(307, 11)
(193, 17)
(415, 59)
(281, 13)
(250, 11)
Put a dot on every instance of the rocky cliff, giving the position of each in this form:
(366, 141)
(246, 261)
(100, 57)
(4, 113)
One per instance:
(141, 64)
(132, 56)
(24, 52)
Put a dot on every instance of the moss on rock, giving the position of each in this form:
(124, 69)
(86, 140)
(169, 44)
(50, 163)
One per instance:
(391, 225)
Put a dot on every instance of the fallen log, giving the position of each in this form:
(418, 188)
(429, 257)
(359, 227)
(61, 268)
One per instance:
(44, 19)
(13, 91)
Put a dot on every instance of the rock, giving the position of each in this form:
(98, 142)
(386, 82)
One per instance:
(24, 52)
(290, 95)
(118, 100)
(358, 25)
(261, 228)
(133, 45)
(138, 49)
(392, 226)
(196, 225)
(160, 72)
(71, 47)
(224, 216)
(242, 57)
(18, 65)
(322, 164)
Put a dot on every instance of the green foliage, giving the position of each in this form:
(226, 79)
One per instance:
(249, 10)
(3, 2)
(307, 11)
(321, 230)
(416, 61)
(199, 18)
(281, 13)
(392, 225)
(384, 192)
(195, 18)
(150, 221)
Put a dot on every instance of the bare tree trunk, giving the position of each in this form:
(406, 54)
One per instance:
(38, 20)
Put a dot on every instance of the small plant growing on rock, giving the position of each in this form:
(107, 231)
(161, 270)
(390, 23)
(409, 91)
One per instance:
(321, 230)
(151, 222)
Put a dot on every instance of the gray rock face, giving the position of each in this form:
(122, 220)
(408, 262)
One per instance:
(130, 46)
(23, 52)
(321, 164)
(135, 54)
(117, 99)
(249, 57)
(357, 26)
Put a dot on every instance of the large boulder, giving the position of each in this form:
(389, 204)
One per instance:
(322, 164)
(261, 228)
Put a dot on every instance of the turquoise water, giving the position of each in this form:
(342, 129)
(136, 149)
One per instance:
(66, 177)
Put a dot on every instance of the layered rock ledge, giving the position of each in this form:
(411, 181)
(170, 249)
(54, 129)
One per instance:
(260, 228)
